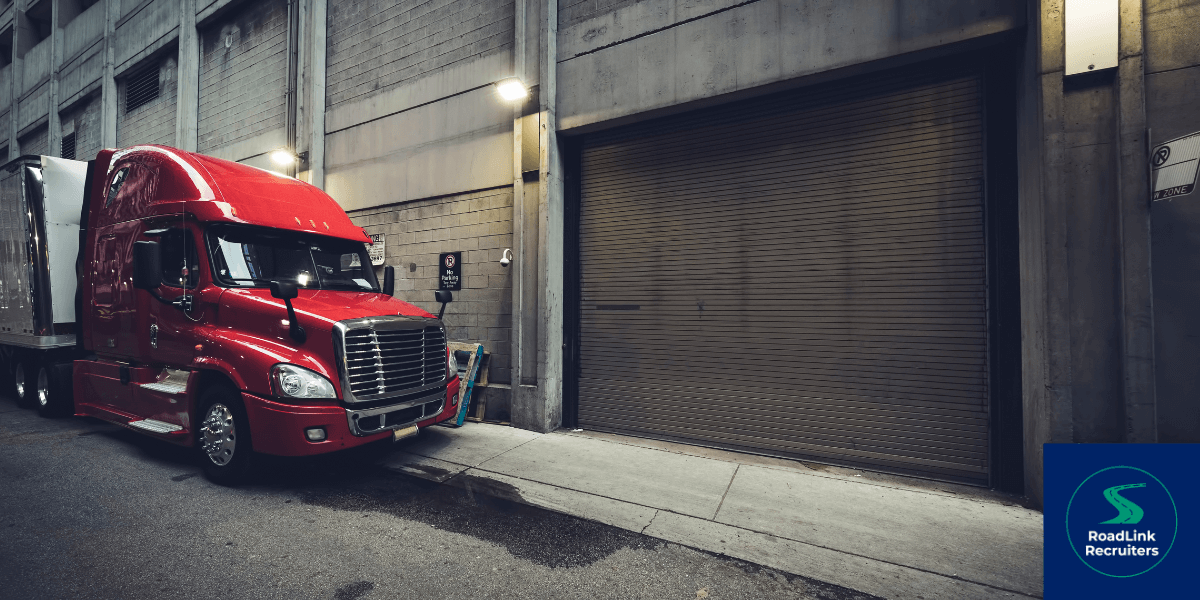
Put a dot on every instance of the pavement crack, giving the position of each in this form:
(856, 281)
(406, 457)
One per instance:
(722, 502)
(650, 522)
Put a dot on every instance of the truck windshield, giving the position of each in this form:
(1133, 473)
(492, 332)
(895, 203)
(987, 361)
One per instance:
(255, 256)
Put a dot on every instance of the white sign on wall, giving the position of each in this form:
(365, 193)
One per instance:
(1091, 31)
(376, 249)
(1174, 166)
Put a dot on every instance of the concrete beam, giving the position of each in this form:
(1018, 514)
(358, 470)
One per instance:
(187, 104)
(316, 93)
(1141, 423)
(540, 408)
(54, 135)
(108, 83)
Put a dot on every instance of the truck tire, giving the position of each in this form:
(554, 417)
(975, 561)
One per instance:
(53, 391)
(24, 380)
(223, 442)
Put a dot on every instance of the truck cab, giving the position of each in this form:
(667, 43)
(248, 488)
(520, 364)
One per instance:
(236, 311)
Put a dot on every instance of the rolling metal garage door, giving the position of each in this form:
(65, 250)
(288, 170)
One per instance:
(799, 275)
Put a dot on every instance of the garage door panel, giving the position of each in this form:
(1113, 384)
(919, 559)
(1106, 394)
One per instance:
(935, 410)
(879, 437)
(801, 275)
(829, 448)
(913, 149)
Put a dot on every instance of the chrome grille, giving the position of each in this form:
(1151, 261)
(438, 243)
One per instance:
(383, 362)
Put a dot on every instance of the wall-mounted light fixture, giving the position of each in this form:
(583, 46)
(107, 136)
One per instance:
(512, 89)
(284, 157)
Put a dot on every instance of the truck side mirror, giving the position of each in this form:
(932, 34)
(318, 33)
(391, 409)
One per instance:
(389, 280)
(286, 290)
(443, 296)
(147, 265)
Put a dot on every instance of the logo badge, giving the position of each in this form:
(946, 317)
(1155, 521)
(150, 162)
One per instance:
(1122, 521)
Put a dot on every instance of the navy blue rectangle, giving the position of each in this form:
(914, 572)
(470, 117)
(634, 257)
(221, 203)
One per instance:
(1121, 520)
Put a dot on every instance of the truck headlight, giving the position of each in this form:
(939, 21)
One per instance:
(291, 381)
(451, 364)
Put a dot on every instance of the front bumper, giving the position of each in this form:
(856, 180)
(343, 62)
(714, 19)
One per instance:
(277, 428)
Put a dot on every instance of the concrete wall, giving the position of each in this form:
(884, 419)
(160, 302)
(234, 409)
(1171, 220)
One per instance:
(144, 28)
(243, 82)
(377, 45)
(478, 224)
(83, 120)
(37, 65)
(36, 141)
(643, 56)
(85, 29)
(411, 113)
(1172, 111)
(152, 123)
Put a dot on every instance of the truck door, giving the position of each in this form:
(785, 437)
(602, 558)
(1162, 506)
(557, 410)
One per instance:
(112, 292)
(170, 330)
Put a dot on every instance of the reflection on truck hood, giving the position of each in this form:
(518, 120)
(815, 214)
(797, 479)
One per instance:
(317, 310)
(258, 321)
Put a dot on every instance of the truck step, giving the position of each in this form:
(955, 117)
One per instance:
(166, 387)
(155, 426)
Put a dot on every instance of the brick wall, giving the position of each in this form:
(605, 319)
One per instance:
(374, 45)
(152, 123)
(36, 141)
(479, 225)
(85, 117)
(243, 75)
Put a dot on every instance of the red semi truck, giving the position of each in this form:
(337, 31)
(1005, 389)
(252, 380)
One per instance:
(209, 304)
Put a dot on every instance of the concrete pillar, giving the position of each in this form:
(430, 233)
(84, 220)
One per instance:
(187, 106)
(1084, 216)
(316, 92)
(519, 225)
(108, 84)
(22, 35)
(54, 125)
(540, 409)
(1141, 422)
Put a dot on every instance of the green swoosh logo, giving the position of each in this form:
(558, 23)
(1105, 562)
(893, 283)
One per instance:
(1128, 512)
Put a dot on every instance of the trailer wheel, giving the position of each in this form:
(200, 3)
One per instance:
(223, 436)
(24, 380)
(53, 391)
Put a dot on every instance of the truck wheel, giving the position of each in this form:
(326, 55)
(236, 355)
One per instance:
(223, 436)
(24, 380)
(53, 391)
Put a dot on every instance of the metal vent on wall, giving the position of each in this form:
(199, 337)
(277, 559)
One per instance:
(141, 88)
(68, 146)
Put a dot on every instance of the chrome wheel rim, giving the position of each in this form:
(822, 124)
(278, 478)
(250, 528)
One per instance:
(43, 388)
(217, 435)
(19, 376)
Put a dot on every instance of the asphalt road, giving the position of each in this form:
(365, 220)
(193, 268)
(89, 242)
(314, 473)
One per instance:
(90, 510)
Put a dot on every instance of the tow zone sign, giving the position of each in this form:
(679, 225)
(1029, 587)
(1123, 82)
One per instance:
(1174, 167)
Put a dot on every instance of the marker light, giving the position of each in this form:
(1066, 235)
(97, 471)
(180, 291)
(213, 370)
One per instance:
(512, 89)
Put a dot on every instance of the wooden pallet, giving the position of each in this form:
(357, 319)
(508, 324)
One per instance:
(467, 384)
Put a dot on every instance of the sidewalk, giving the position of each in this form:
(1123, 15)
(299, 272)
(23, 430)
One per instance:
(889, 536)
